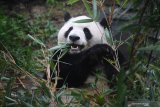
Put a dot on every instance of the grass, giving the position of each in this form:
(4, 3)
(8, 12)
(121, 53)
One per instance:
(21, 60)
(24, 56)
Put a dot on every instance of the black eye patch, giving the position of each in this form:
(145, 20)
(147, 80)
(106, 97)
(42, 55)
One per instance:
(67, 32)
(87, 33)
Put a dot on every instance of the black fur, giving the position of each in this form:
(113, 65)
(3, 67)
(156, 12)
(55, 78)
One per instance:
(104, 23)
(87, 33)
(67, 16)
(74, 69)
(67, 32)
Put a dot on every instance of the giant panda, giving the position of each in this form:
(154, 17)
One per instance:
(87, 51)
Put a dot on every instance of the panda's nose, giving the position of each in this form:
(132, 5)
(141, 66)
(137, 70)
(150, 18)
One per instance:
(74, 38)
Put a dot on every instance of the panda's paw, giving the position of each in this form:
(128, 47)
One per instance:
(103, 50)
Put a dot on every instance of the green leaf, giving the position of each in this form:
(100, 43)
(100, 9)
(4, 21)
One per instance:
(124, 4)
(121, 89)
(84, 21)
(46, 90)
(75, 94)
(151, 47)
(108, 36)
(51, 2)
(100, 99)
(118, 2)
(71, 2)
(87, 7)
(27, 104)
(94, 9)
(60, 46)
(36, 40)
(4, 79)
(13, 100)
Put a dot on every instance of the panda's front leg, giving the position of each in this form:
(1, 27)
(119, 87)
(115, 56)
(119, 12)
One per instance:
(104, 55)
(71, 70)
(99, 52)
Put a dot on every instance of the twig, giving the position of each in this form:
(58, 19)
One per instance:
(8, 54)
(48, 74)
(21, 83)
(121, 43)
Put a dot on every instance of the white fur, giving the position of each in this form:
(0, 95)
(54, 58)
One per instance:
(97, 31)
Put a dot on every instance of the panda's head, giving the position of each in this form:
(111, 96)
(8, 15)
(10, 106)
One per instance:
(81, 36)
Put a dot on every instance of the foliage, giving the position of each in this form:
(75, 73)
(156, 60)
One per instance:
(24, 54)
(51, 2)
(139, 73)
(142, 77)
(71, 2)
(22, 59)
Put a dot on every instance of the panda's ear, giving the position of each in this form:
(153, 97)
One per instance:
(103, 23)
(67, 16)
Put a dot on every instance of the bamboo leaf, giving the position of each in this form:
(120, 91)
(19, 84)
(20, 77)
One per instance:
(84, 21)
(121, 89)
(151, 47)
(94, 9)
(71, 2)
(125, 3)
(87, 7)
(27, 104)
(108, 36)
(60, 46)
(13, 100)
(118, 2)
(36, 40)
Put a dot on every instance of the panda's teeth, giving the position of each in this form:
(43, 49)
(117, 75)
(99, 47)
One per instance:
(77, 47)
(71, 47)
(74, 47)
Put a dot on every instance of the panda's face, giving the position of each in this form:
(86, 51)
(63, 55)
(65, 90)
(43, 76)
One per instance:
(81, 36)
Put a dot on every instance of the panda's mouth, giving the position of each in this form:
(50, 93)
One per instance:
(75, 48)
